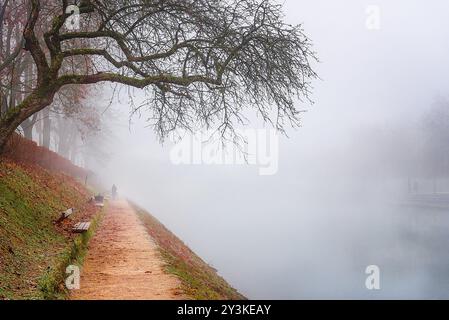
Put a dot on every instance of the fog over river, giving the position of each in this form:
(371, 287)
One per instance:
(340, 198)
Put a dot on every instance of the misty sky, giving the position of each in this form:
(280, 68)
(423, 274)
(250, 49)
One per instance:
(292, 235)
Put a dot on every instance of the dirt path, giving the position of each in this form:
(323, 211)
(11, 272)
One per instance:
(123, 261)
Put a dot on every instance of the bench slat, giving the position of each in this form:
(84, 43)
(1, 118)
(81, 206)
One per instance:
(81, 226)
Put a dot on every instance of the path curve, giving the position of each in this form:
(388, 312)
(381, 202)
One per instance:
(123, 261)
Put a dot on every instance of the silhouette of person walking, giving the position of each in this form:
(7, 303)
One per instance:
(114, 192)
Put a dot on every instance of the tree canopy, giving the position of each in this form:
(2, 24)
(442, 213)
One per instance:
(201, 62)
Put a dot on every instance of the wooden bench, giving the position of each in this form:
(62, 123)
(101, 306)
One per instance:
(66, 214)
(81, 227)
(99, 199)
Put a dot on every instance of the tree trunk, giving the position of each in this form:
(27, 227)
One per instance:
(39, 129)
(3, 104)
(27, 128)
(4, 136)
(14, 117)
(62, 134)
(73, 154)
(46, 128)
(28, 125)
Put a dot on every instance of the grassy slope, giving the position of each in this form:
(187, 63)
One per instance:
(33, 250)
(199, 280)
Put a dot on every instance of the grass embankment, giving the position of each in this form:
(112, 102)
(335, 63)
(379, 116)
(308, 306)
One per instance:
(199, 280)
(34, 250)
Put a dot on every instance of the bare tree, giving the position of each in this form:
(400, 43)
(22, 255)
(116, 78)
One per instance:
(201, 62)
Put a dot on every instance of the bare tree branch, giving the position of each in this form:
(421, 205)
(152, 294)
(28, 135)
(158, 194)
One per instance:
(200, 62)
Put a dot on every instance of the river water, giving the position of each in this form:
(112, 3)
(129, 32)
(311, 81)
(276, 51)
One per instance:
(309, 244)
